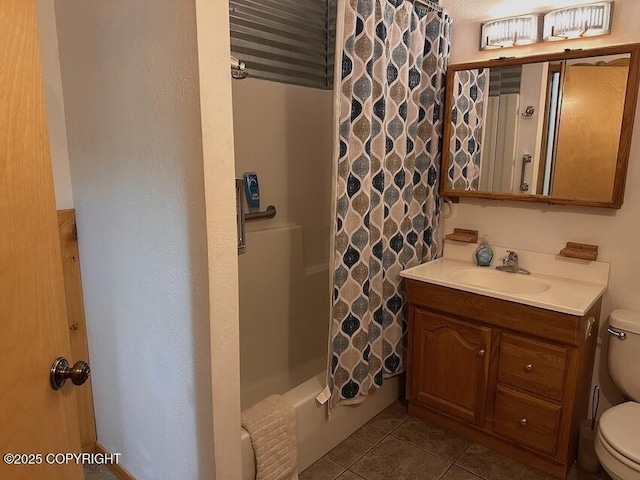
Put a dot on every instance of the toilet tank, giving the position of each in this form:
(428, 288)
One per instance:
(624, 354)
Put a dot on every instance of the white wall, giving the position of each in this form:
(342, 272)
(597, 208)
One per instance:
(130, 78)
(48, 35)
(220, 200)
(545, 228)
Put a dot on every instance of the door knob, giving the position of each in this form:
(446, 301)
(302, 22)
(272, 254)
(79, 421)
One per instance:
(61, 372)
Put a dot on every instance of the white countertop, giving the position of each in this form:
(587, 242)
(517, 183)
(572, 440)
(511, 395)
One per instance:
(570, 285)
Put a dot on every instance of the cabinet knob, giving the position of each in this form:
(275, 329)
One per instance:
(481, 353)
(528, 368)
(523, 422)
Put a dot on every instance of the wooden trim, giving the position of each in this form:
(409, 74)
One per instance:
(117, 469)
(582, 385)
(532, 198)
(626, 131)
(546, 57)
(77, 323)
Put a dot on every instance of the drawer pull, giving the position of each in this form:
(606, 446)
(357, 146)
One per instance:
(528, 368)
(523, 422)
(482, 352)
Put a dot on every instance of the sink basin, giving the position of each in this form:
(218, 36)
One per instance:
(499, 281)
(564, 285)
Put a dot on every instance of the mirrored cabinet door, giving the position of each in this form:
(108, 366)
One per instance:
(554, 129)
(588, 129)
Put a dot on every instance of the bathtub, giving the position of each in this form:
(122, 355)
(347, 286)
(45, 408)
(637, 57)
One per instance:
(316, 434)
(284, 320)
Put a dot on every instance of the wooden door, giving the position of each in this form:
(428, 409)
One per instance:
(451, 365)
(589, 131)
(34, 419)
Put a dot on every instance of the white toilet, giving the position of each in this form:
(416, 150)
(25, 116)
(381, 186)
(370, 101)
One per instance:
(617, 442)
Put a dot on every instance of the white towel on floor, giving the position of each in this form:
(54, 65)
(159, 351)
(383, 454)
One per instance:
(272, 426)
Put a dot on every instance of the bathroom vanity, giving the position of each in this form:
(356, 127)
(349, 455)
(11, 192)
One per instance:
(504, 359)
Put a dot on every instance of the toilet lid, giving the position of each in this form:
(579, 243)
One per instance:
(620, 426)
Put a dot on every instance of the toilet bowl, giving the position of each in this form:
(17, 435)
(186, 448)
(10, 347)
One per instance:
(617, 442)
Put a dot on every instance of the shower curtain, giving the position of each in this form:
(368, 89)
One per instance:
(471, 88)
(386, 208)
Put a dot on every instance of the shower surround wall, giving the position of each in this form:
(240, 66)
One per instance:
(284, 133)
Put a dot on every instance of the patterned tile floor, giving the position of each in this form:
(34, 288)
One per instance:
(396, 446)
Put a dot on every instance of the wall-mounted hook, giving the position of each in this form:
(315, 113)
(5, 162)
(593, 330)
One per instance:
(529, 111)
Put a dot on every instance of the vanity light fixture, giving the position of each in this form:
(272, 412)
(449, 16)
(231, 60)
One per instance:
(509, 32)
(579, 21)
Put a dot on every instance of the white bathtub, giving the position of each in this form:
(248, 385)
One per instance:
(315, 433)
(284, 323)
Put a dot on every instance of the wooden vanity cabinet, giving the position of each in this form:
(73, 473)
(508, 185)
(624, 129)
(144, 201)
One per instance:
(513, 377)
(451, 365)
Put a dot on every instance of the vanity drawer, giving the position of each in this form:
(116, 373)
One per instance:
(532, 365)
(526, 420)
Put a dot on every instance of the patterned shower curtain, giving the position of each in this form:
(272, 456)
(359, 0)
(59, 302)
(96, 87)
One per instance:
(471, 88)
(390, 134)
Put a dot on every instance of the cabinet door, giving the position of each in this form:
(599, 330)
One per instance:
(450, 365)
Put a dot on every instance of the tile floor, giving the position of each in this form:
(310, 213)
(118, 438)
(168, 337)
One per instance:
(98, 472)
(396, 446)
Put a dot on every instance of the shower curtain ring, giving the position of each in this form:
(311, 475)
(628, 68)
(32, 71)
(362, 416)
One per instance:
(449, 203)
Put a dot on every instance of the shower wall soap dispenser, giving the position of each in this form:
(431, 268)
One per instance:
(252, 191)
(484, 254)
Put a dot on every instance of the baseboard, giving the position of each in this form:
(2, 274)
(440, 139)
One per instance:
(117, 469)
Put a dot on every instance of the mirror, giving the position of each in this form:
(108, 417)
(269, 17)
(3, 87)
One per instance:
(554, 129)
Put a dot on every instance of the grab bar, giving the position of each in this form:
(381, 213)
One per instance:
(524, 186)
(240, 215)
(270, 212)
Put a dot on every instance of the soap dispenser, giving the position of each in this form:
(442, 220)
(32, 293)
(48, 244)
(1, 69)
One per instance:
(484, 254)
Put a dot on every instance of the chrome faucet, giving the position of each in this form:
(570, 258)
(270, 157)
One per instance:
(510, 264)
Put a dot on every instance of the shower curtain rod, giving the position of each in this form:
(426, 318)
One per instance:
(236, 64)
(238, 67)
